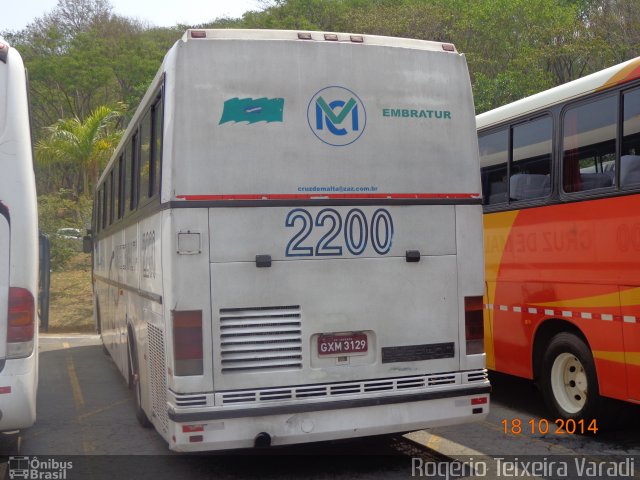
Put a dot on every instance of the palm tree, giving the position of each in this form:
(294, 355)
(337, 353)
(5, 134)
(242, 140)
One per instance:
(82, 146)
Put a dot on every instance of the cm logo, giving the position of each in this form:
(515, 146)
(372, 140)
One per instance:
(336, 116)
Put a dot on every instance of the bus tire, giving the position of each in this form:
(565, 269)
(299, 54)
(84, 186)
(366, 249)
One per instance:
(134, 384)
(98, 319)
(98, 326)
(569, 381)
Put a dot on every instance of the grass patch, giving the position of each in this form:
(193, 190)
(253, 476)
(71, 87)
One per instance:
(71, 304)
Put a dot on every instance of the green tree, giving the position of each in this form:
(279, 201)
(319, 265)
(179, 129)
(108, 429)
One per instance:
(516, 48)
(324, 15)
(63, 209)
(81, 56)
(615, 27)
(82, 146)
(409, 19)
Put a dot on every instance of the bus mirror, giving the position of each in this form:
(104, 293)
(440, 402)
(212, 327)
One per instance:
(87, 244)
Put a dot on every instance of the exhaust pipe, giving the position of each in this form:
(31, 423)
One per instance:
(262, 440)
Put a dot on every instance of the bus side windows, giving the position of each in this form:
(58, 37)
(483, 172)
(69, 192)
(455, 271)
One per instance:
(630, 159)
(119, 173)
(145, 157)
(110, 186)
(528, 156)
(133, 179)
(99, 207)
(156, 145)
(494, 157)
(134, 156)
(150, 152)
(589, 145)
(531, 160)
(104, 207)
(126, 181)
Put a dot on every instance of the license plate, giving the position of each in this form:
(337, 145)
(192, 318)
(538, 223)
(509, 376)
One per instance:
(341, 345)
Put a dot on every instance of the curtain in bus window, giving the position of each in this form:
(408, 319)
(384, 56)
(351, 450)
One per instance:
(531, 160)
(589, 143)
(630, 159)
(493, 159)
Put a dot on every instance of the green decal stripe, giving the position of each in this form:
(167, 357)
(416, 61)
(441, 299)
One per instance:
(252, 110)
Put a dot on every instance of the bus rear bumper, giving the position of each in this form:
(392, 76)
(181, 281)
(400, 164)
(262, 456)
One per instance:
(17, 394)
(215, 430)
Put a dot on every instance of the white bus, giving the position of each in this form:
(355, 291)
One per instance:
(288, 241)
(18, 249)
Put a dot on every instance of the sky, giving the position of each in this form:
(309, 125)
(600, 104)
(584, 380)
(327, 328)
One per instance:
(161, 13)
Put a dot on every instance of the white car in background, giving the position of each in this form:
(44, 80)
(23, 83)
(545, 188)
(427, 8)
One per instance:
(69, 233)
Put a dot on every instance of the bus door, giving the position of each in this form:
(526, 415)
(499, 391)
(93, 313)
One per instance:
(4, 282)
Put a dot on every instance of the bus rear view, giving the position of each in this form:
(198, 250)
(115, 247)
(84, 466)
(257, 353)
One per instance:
(318, 246)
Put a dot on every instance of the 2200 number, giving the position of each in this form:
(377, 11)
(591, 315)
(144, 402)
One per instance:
(356, 232)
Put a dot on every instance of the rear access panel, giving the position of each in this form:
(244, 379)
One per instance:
(330, 320)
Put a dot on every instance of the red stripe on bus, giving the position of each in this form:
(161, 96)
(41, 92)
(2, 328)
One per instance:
(294, 196)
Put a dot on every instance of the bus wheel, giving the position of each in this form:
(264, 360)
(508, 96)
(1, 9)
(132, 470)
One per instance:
(569, 381)
(134, 382)
(99, 328)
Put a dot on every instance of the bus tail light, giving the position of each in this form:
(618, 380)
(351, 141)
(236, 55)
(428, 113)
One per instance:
(474, 325)
(187, 342)
(21, 324)
(192, 428)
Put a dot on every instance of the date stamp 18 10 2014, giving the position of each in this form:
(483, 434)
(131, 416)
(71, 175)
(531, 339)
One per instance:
(542, 426)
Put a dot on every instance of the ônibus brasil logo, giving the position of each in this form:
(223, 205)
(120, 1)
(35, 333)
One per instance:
(336, 116)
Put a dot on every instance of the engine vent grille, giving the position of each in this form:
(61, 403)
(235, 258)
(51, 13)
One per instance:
(447, 379)
(477, 376)
(260, 338)
(191, 400)
(332, 390)
(158, 375)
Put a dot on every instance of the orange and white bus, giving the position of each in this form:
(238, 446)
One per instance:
(561, 187)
